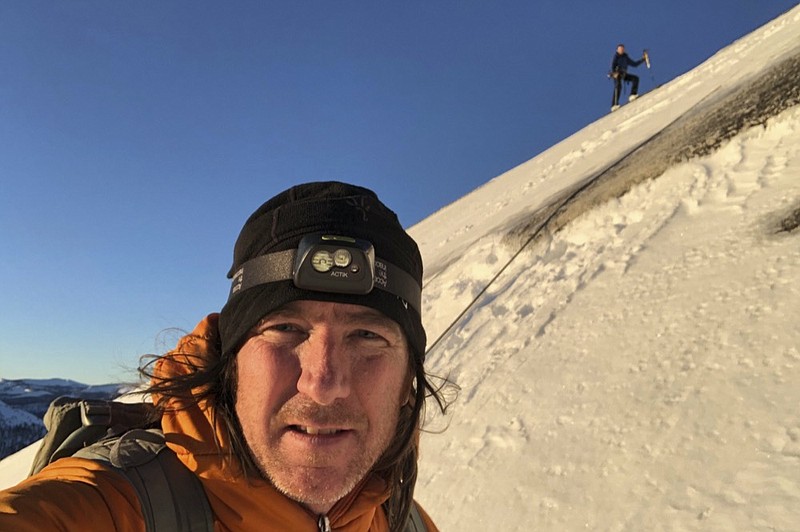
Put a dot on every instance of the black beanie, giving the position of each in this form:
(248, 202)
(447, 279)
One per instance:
(332, 208)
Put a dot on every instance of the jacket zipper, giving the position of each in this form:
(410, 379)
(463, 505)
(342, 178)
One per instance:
(324, 524)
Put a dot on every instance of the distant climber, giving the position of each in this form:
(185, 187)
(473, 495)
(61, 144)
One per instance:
(619, 73)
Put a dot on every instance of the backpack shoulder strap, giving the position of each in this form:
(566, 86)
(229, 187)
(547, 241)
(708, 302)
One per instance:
(172, 497)
(415, 522)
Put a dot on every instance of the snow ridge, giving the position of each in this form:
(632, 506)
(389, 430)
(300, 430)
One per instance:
(636, 367)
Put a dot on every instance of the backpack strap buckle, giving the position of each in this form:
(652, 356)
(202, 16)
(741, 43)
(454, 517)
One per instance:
(95, 413)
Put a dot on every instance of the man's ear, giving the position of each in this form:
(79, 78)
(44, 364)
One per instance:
(408, 386)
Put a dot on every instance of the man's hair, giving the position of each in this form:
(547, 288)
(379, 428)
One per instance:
(215, 382)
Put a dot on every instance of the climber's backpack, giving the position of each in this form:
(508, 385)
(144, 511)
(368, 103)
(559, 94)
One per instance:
(126, 437)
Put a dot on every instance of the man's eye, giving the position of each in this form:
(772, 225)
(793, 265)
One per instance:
(284, 327)
(277, 328)
(369, 335)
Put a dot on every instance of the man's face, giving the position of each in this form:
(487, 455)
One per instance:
(620, 49)
(320, 386)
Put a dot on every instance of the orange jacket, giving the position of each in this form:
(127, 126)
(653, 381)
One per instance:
(79, 494)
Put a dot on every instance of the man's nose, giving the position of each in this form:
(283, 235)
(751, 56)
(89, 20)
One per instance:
(324, 369)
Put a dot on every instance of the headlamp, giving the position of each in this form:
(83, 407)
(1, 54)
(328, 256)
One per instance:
(329, 263)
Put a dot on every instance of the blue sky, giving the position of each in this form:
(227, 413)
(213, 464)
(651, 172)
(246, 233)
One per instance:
(136, 137)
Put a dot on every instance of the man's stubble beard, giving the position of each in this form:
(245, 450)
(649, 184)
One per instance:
(316, 484)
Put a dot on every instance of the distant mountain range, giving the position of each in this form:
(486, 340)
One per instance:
(23, 403)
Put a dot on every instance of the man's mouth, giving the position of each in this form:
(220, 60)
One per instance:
(315, 431)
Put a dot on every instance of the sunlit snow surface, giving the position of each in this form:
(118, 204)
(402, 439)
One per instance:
(640, 368)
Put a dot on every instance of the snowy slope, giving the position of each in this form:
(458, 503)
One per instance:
(638, 369)
(18, 428)
(15, 467)
(636, 366)
(15, 416)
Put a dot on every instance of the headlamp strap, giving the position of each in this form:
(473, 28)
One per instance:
(263, 269)
(278, 266)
